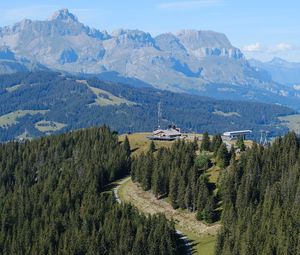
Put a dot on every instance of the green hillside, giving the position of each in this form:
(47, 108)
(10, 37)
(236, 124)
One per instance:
(31, 100)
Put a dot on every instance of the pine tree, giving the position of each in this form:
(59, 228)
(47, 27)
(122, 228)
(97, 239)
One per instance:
(208, 214)
(173, 193)
(147, 173)
(203, 161)
(240, 143)
(188, 199)
(223, 157)
(152, 147)
(232, 154)
(126, 146)
(205, 144)
(216, 143)
(203, 193)
(181, 193)
(155, 180)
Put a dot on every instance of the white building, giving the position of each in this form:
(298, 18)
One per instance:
(231, 135)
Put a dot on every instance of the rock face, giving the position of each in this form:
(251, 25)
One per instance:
(201, 62)
(10, 64)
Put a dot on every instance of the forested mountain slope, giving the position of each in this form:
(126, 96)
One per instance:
(52, 200)
(261, 201)
(39, 103)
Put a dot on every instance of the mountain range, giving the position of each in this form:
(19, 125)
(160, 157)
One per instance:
(197, 62)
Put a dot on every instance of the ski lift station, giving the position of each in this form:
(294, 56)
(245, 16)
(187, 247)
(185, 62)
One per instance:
(232, 135)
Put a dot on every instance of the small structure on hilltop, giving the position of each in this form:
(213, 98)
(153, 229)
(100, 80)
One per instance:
(264, 138)
(232, 135)
(170, 134)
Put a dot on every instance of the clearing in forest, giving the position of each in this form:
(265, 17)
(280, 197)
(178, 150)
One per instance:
(203, 236)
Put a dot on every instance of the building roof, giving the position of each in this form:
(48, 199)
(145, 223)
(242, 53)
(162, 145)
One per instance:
(167, 132)
(238, 132)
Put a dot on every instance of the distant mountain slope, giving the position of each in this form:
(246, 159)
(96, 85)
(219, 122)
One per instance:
(197, 62)
(280, 70)
(10, 64)
(39, 103)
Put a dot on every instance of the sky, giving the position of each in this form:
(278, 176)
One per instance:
(262, 29)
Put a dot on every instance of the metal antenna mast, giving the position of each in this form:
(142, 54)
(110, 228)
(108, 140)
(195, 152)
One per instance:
(261, 141)
(159, 113)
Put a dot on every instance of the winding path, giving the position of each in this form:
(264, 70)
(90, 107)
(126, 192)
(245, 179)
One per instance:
(182, 236)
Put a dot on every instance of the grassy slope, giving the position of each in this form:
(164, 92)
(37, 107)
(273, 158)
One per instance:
(292, 122)
(139, 142)
(105, 98)
(12, 118)
(13, 88)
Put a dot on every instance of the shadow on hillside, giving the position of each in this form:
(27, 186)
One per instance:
(110, 187)
(135, 149)
(183, 249)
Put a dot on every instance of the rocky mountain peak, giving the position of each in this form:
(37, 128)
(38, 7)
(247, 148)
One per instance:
(195, 39)
(169, 42)
(63, 15)
(278, 61)
(208, 44)
(133, 38)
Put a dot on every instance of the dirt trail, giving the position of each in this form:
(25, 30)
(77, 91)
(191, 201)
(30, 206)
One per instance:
(147, 203)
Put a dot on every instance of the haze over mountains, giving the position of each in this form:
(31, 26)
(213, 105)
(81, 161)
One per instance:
(198, 62)
(281, 71)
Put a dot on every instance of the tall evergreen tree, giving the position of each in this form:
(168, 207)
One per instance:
(205, 144)
(181, 193)
(223, 157)
(216, 143)
(173, 194)
(152, 147)
(240, 143)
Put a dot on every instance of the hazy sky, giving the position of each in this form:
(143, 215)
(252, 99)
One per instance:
(261, 28)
